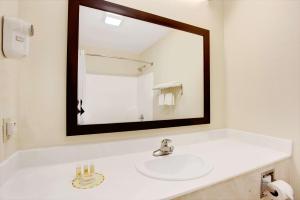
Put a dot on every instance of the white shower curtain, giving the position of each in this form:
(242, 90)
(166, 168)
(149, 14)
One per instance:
(81, 84)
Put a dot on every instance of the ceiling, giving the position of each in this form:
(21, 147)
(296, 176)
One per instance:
(132, 36)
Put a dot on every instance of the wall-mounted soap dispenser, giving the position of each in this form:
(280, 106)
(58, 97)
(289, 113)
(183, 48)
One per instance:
(15, 37)
(9, 128)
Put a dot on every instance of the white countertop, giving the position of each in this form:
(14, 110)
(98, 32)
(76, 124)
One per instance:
(231, 157)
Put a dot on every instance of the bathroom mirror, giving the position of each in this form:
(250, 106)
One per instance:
(131, 70)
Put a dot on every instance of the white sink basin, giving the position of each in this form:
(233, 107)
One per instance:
(174, 167)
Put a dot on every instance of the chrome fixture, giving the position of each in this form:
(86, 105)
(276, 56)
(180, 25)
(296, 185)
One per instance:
(164, 149)
(120, 58)
(266, 178)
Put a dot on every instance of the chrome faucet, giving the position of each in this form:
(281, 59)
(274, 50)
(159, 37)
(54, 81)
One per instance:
(164, 149)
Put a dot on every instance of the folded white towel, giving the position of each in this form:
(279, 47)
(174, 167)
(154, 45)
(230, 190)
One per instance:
(169, 99)
(161, 99)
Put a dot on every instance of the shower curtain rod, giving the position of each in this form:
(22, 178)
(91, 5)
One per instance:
(120, 58)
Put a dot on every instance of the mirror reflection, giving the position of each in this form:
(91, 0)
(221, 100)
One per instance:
(131, 70)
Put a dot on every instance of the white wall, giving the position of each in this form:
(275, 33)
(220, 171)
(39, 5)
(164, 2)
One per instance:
(110, 99)
(178, 56)
(9, 83)
(43, 73)
(262, 57)
(42, 90)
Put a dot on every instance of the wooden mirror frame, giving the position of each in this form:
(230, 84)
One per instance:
(72, 70)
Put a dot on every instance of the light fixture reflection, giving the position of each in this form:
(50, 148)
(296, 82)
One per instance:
(113, 19)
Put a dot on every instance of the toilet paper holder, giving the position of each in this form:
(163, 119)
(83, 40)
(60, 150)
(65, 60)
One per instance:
(266, 178)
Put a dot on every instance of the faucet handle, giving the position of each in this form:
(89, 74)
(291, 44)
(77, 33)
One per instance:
(165, 142)
(164, 149)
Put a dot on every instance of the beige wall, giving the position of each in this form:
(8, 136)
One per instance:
(99, 65)
(43, 76)
(262, 58)
(178, 56)
(9, 72)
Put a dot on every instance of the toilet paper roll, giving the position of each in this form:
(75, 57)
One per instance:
(283, 191)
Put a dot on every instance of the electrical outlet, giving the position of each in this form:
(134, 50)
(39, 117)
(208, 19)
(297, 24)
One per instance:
(1, 122)
(1, 130)
(8, 129)
(5, 137)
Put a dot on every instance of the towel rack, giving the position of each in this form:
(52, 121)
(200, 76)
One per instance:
(169, 85)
